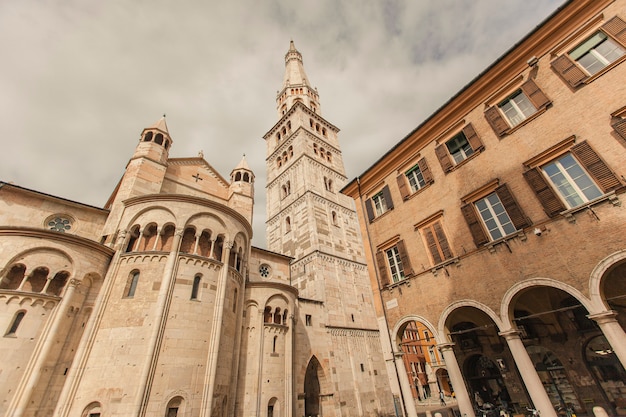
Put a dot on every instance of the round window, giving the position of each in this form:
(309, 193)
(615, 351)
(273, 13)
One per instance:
(264, 270)
(59, 224)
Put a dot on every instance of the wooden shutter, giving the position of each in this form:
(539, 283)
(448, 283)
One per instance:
(404, 258)
(620, 127)
(596, 167)
(570, 72)
(382, 268)
(387, 197)
(443, 241)
(369, 209)
(497, 122)
(472, 138)
(535, 95)
(432, 245)
(551, 203)
(403, 186)
(444, 158)
(616, 27)
(428, 176)
(518, 218)
(478, 234)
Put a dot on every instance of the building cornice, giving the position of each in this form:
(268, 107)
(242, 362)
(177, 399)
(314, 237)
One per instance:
(54, 236)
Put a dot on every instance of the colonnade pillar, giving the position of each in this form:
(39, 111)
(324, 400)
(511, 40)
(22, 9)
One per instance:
(456, 377)
(613, 332)
(405, 386)
(529, 375)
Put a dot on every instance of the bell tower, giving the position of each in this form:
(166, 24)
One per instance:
(309, 220)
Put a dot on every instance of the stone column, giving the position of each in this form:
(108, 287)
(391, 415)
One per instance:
(195, 245)
(24, 279)
(48, 281)
(212, 247)
(163, 303)
(76, 371)
(529, 375)
(290, 389)
(456, 377)
(156, 240)
(613, 332)
(215, 337)
(47, 340)
(405, 386)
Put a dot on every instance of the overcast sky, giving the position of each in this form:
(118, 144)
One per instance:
(80, 79)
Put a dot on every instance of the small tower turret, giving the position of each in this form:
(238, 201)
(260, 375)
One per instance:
(241, 190)
(296, 86)
(155, 142)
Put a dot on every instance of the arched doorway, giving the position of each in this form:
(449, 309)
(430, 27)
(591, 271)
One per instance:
(485, 360)
(556, 332)
(420, 359)
(312, 389)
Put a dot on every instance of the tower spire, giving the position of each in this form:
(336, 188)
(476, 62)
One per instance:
(296, 86)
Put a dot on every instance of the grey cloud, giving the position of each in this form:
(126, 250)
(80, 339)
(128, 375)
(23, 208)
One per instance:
(81, 79)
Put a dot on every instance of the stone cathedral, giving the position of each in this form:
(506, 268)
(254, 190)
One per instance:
(158, 305)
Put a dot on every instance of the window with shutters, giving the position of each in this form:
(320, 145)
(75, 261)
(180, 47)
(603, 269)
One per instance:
(567, 176)
(598, 51)
(414, 179)
(393, 263)
(495, 218)
(618, 123)
(571, 181)
(436, 242)
(458, 148)
(379, 203)
(493, 213)
(517, 108)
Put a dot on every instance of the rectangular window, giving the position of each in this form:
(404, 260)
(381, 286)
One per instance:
(571, 181)
(494, 216)
(395, 264)
(380, 205)
(415, 178)
(307, 319)
(459, 147)
(596, 52)
(436, 242)
(517, 108)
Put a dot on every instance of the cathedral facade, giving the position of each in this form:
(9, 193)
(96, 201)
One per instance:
(158, 305)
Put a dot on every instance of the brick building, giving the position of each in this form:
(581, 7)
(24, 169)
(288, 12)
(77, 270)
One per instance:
(498, 224)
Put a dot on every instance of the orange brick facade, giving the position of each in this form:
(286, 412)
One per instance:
(498, 224)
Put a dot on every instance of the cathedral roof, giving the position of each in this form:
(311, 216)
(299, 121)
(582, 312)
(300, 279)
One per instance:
(160, 125)
(243, 164)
